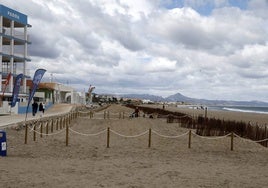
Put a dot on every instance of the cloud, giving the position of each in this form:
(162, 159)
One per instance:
(214, 49)
(220, 33)
(251, 61)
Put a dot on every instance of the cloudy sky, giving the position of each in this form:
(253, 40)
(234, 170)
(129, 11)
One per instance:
(211, 49)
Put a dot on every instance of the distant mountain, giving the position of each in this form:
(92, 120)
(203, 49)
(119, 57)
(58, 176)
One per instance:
(178, 97)
(181, 98)
(144, 97)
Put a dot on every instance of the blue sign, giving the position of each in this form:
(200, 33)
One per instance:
(13, 15)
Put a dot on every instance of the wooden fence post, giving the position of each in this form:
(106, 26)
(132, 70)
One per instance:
(108, 137)
(64, 121)
(67, 135)
(26, 134)
(265, 135)
(34, 133)
(150, 138)
(190, 138)
(57, 124)
(232, 141)
(47, 128)
(41, 130)
(61, 122)
(52, 125)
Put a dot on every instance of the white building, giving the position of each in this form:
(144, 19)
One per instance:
(55, 93)
(14, 42)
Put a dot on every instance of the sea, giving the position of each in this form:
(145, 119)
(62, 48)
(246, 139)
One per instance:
(251, 109)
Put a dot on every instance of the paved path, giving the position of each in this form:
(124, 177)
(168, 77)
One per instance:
(13, 119)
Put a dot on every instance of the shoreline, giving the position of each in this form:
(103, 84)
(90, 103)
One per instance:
(254, 118)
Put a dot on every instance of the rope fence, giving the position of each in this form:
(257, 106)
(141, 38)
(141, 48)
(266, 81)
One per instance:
(54, 123)
(212, 137)
(62, 123)
(166, 136)
(133, 136)
(149, 132)
(106, 114)
(83, 134)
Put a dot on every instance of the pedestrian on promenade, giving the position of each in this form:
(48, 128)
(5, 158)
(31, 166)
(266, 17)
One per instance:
(41, 108)
(34, 108)
(44, 107)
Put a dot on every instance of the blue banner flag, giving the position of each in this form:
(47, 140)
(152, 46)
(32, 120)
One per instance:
(39, 73)
(16, 89)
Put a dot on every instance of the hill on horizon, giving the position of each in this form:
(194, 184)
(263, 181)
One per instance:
(178, 97)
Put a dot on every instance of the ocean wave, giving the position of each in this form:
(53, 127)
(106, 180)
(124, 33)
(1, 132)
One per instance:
(245, 110)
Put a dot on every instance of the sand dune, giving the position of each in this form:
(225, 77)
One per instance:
(86, 162)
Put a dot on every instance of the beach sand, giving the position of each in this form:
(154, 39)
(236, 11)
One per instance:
(254, 118)
(129, 162)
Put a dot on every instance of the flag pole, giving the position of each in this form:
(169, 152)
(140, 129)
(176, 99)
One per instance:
(39, 73)
(36, 80)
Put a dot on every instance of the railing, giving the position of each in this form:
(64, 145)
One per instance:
(6, 51)
(17, 34)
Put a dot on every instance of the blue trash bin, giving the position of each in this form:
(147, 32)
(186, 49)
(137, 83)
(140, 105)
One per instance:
(3, 143)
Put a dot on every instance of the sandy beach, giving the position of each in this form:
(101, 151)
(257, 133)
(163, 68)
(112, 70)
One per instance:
(254, 118)
(129, 162)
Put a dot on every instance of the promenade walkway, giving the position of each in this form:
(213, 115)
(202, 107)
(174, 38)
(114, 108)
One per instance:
(57, 109)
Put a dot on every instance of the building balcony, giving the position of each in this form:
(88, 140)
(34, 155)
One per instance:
(18, 37)
(6, 57)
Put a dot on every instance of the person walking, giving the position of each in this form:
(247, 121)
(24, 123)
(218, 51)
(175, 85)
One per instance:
(44, 107)
(137, 112)
(34, 108)
(41, 108)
